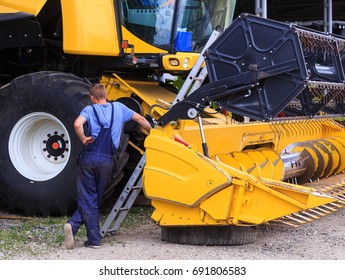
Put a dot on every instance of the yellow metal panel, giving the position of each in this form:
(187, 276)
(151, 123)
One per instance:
(4, 10)
(28, 6)
(218, 205)
(227, 138)
(264, 200)
(178, 174)
(173, 214)
(89, 27)
(259, 137)
(149, 91)
(223, 138)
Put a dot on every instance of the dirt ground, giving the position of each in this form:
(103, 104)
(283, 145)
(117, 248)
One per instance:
(323, 239)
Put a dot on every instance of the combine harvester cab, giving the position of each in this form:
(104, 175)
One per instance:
(224, 178)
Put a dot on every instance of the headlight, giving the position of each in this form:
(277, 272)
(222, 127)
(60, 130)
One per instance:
(185, 63)
(174, 62)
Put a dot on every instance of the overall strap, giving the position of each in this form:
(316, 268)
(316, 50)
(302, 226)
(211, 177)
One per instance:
(104, 136)
(111, 118)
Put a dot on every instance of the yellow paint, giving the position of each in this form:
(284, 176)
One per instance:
(89, 27)
(28, 6)
(173, 167)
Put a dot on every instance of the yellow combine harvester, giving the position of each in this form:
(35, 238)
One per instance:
(225, 155)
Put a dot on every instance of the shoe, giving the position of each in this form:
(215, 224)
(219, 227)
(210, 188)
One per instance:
(87, 244)
(69, 239)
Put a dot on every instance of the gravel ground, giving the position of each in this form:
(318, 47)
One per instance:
(323, 239)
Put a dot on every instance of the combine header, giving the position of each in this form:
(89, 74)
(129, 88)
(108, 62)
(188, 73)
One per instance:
(226, 176)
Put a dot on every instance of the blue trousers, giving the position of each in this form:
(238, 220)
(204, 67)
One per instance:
(94, 172)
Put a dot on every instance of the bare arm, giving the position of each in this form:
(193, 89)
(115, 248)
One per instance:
(142, 121)
(79, 130)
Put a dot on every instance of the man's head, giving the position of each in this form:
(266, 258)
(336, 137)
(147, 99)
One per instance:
(98, 92)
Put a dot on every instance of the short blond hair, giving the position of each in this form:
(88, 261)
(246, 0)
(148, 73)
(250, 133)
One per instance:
(98, 91)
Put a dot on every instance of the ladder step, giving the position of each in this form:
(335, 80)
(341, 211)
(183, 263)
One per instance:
(125, 200)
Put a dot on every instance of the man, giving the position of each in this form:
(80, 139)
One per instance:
(105, 121)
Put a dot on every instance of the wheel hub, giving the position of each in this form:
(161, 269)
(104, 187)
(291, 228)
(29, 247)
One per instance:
(55, 146)
(39, 146)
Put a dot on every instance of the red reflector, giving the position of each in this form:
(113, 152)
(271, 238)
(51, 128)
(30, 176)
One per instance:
(124, 44)
(55, 145)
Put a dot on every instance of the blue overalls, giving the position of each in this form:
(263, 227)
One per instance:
(94, 171)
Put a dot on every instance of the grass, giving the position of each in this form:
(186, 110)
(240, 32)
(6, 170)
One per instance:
(137, 216)
(37, 235)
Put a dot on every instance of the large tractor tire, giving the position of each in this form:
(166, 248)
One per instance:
(209, 235)
(38, 145)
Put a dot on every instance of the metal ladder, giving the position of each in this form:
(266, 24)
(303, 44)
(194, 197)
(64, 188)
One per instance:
(125, 201)
(134, 184)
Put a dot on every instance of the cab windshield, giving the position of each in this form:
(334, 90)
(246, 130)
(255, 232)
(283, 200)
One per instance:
(176, 25)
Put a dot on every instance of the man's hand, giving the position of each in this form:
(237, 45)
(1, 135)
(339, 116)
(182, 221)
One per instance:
(142, 122)
(87, 140)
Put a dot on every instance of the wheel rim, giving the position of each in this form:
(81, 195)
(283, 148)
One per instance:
(39, 146)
